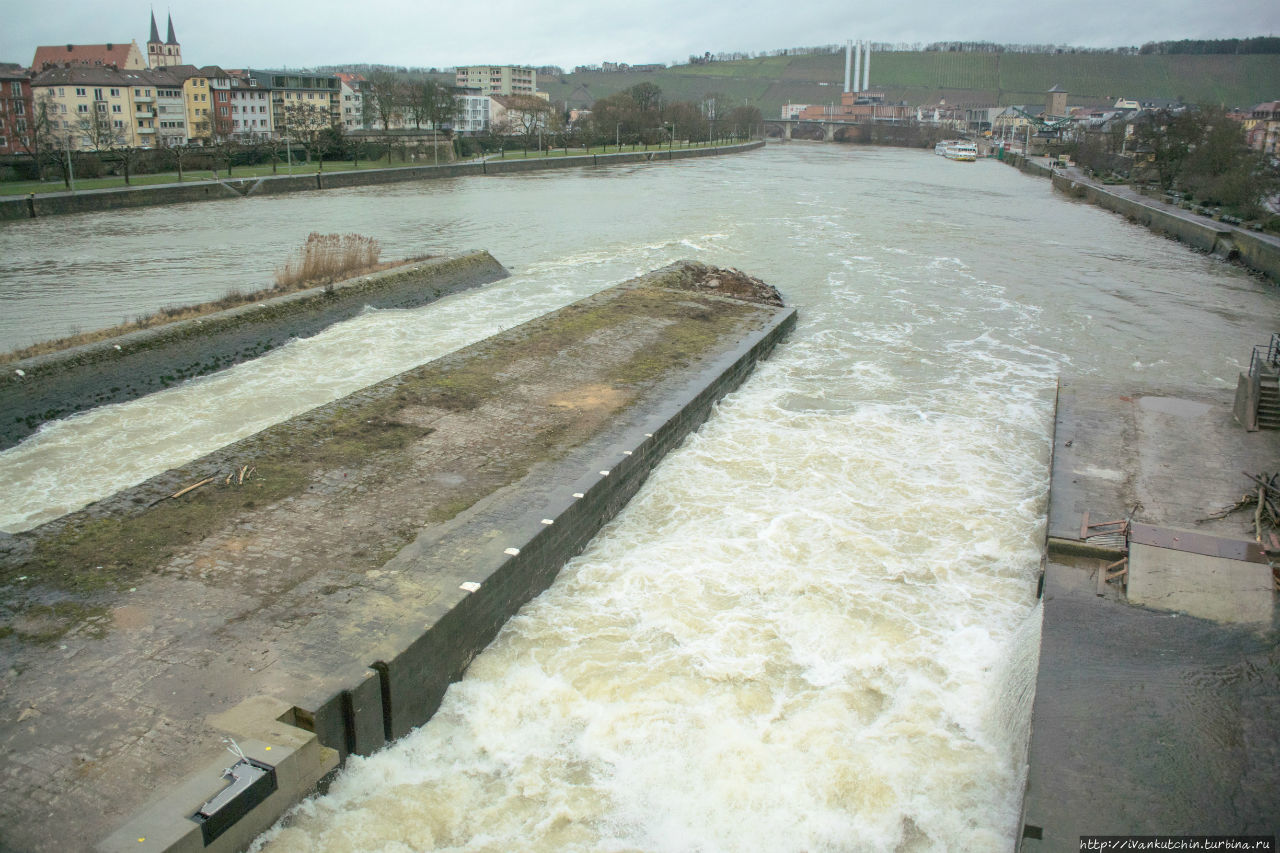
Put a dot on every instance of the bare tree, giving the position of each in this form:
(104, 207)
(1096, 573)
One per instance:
(307, 122)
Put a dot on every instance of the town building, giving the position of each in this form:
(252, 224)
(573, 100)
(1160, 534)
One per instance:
(98, 55)
(206, 92)
(17, 110)
(170, 105)
(473, 112)
(498, 79)
(516, 115)
(1055, 104)
(161, 54)
(353, 91)
(250, 114)
(1263, 128)
(866, 105)
(89, 107)
(292, 88)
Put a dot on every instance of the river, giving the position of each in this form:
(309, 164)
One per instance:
(815, 627)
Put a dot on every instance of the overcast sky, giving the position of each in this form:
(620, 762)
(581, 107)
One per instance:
(237, 33)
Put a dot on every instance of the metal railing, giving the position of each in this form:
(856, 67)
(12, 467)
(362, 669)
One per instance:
(1266, 356)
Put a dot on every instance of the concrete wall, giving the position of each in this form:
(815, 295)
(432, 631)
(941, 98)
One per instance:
(52, 204)
(1252, 250)
(58, 384)
(1257, 253)
(415, 678)
(1029, 166)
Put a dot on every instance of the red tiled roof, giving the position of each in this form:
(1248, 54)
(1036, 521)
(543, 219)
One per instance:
(112, 53)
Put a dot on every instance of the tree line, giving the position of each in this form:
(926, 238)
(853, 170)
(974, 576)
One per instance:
(1200, 152)
(1204, 47)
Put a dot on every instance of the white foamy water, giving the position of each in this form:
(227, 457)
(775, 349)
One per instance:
(815, 627)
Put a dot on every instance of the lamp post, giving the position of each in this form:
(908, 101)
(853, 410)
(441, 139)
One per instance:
(617, 136)
(71, 172)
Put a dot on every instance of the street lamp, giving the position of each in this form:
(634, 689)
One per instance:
(617, 136)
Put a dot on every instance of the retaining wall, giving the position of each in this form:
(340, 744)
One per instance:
(1029, 166)
(51, 386)
(52, 204)
(1195, 232)
(1253, 250)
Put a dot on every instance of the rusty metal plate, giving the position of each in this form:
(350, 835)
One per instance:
(1196, 543)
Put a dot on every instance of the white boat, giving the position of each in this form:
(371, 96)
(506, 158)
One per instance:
(957, 149)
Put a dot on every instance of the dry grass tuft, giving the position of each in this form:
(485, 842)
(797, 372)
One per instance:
(326, 258)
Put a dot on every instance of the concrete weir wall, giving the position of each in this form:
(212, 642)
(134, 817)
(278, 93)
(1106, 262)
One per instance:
(494, 558)
(53, 204)
(58, 384)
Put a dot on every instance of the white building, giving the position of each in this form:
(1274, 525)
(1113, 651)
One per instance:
(251, 118)
(473, 113)
(352, 100)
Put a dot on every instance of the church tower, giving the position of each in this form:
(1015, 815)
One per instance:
(163, 53)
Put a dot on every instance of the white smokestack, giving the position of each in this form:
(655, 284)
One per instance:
(866, 69)
(848, 52)
(857, 65)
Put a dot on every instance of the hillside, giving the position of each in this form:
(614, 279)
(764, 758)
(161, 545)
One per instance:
(978, 79)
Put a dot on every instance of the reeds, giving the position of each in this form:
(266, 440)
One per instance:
(326, 258)
(323, 259)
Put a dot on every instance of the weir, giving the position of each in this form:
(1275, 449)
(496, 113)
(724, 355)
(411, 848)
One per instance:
(47, 387)
(310, 591)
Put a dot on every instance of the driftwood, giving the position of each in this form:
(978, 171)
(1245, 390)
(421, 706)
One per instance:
(193, 486)
(1265, 503)
(239, 477)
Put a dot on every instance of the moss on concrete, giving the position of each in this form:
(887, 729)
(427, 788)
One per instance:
(607, 349)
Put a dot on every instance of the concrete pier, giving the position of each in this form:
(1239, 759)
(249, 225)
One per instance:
(1157, 706)
(326, 579)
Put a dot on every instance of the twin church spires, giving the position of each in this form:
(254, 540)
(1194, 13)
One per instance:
(161, 54)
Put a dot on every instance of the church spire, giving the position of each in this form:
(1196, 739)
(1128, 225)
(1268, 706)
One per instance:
(155, 31)
(172, 39)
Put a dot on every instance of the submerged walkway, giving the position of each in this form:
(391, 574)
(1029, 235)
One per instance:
(1162, 718)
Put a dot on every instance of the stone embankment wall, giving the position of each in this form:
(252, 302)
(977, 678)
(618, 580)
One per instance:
(52, 204)
(1252, 250)
(54, 385)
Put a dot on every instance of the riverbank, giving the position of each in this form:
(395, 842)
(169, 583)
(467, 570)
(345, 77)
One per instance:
(325, 579)
(1157, 693)
(55, 204)
(1259, 252)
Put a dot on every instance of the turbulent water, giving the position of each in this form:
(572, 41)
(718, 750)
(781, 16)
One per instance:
(815, 627)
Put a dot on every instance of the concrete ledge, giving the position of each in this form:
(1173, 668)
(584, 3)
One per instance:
(298, 761)
(58, 384)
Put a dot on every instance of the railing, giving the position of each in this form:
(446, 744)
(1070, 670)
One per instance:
(1266, 356)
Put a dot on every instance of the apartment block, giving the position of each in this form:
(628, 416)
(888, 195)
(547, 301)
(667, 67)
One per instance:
(498, 79)
(16, 110)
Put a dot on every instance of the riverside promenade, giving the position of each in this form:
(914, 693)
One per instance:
(87, 201)
(1157, 707)
(310, 592)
